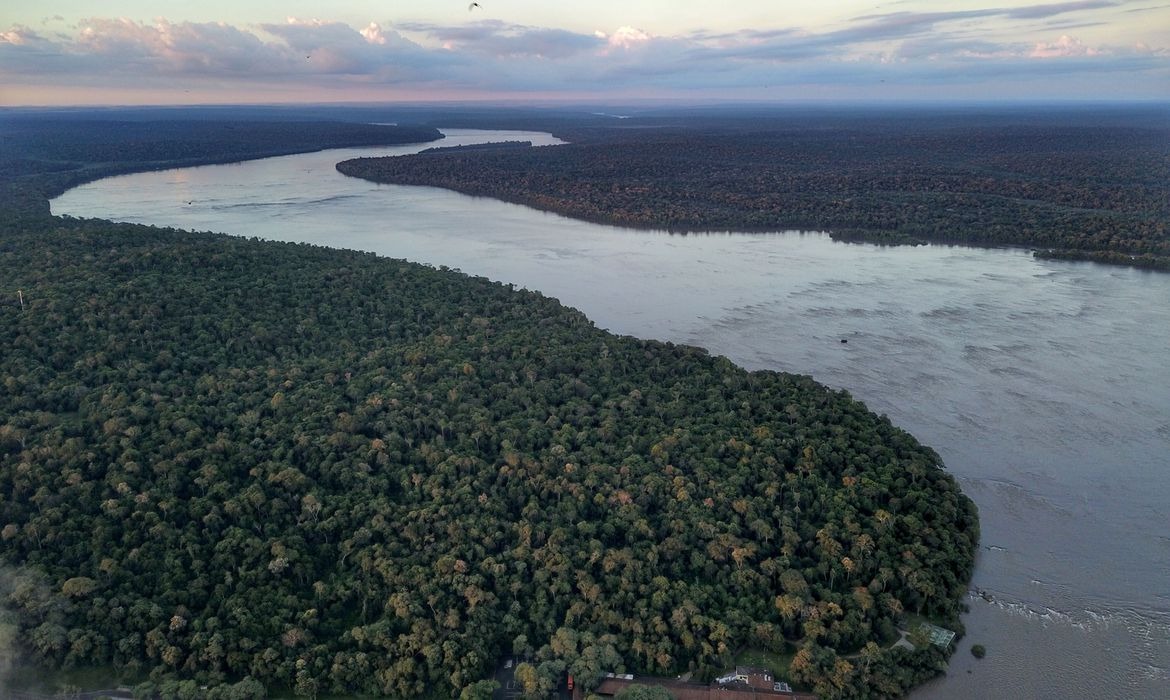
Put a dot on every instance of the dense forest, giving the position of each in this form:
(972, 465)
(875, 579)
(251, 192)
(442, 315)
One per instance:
(1071, 187)
(272, 467)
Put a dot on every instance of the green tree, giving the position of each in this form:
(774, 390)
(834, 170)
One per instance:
(479, 690)
(527, 678)
(638, 691)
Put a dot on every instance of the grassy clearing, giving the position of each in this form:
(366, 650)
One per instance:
(53, 681)
(911, 621)
(777, 663)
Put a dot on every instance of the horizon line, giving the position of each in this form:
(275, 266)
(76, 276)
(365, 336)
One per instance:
(637, 103)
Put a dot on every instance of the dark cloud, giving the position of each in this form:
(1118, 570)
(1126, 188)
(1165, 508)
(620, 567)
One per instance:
(496, 38)
(791, 45)
(337, 48)
(1145, 9)
(905, 25)
(934, 47)
(1058, 8)
(919, 28)
(1024, 12)
(1061, 26)
(754, 34)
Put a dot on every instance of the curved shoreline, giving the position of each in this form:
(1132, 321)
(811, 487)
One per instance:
(658, 184)
(50, 185)
(1005, 648)
(157, 169)
(49, 174)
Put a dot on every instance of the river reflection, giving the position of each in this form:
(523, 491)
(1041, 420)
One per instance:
(1045, 386)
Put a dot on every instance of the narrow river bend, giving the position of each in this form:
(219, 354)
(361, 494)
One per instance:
(1044, 385)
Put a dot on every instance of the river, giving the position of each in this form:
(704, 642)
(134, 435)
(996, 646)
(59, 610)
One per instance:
(1044, 385)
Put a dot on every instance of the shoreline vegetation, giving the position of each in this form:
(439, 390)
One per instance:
(1085, 186)
(249, 464)
(42, 156)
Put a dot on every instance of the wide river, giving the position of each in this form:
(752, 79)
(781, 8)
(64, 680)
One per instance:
(1044, 385)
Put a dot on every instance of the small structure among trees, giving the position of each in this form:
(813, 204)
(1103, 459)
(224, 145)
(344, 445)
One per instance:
(941, 637)
(743, 683)
(752, 677)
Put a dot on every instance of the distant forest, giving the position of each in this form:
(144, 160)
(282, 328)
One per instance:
(267, 467)
(42, 155)
(1077, 184)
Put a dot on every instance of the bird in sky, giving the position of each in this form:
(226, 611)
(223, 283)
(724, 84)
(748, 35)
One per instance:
(472, 6)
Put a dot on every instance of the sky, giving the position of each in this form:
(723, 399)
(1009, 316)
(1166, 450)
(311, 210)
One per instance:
(80, 52)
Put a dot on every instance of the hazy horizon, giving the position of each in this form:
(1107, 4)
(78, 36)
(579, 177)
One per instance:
(633, 106)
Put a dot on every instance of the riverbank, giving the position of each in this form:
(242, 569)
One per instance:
(983, 180)
(446, 359)
(46, 154)
(1009, 365)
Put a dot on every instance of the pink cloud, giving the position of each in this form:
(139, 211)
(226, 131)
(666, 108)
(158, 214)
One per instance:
(20, 36)
(373, 34)
(626, 38)
(182, 47)
(1063, 47)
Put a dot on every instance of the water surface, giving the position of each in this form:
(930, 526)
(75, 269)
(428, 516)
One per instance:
(1044, 385)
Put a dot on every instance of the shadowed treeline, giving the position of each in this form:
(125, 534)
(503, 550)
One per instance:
(1075, 183)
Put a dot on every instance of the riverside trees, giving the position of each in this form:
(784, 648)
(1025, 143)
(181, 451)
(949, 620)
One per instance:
(1087, 185)
(227, 458)
(229, 461)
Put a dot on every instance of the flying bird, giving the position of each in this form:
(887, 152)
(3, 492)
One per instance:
(472, 6)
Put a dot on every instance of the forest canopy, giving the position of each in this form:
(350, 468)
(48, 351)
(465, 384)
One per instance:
(1080, 184)
(228, 460)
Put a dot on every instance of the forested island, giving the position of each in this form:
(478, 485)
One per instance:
(266, 467)
(1086, 184)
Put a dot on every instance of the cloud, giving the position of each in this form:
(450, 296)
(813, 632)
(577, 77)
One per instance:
(936, 36)
(1058, 8)
(182, 48)
(1041, 11)
(21, 36)
(1063, 47)
(374, 35)
(338, 49)
(626, 38)
(895, 53)
(500, 39)
(1151, 8)
(1072, 25)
